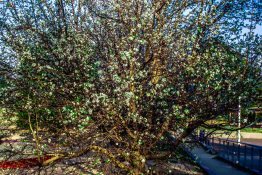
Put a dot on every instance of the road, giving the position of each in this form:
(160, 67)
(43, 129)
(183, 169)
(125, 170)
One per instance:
(252, 141)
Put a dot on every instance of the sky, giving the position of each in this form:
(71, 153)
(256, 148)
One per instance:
(257, 30)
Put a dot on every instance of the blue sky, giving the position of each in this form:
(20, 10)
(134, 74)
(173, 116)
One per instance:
(257, 30)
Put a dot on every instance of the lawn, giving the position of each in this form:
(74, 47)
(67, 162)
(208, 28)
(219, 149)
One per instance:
(252, 130)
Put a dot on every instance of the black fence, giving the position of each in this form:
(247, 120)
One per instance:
(243, 154)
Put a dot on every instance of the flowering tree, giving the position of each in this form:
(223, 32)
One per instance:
(113, 77)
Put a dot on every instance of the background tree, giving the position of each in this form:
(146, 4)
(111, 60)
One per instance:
(113, 77)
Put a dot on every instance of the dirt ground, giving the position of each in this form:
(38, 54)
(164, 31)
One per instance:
(88, 165)
(85, 165)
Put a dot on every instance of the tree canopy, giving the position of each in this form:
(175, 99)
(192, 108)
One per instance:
(120, 74)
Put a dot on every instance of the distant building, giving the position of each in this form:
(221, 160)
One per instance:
(258, 115)
(255, 115)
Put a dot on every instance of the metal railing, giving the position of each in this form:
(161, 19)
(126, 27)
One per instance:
(242, 154)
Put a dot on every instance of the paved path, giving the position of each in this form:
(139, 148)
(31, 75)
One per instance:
(214, 166)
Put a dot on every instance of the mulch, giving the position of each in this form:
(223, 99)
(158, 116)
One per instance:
(23, 163)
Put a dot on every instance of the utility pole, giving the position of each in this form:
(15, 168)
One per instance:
(239, 120)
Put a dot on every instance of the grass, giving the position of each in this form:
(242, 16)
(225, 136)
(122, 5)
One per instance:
(248, 130)
(252, 130)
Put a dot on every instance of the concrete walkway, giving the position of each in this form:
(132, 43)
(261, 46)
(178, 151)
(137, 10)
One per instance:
(214, 166)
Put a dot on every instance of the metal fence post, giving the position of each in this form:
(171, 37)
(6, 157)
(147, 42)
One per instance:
(245, 155)
(260, 160)
(227, 150)
(233, 153)
(224, 152)
(219, 145)
(238, 154)
(252, 157)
